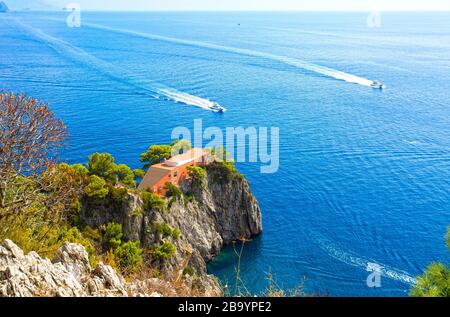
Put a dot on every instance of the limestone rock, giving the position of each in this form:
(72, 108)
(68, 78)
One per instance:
(68, 275)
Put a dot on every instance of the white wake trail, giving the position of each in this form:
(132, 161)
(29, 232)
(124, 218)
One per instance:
(113, 72)
(283, 59)
(361, 262)
(186, 99)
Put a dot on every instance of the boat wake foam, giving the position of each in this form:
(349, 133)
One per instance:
(361, 262)
(115, 73)
(187, 99)
(329, 72)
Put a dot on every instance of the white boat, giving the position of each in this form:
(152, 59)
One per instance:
(217, 108)
(377, 85)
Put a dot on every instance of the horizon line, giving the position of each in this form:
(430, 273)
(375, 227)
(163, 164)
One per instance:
(231, 10)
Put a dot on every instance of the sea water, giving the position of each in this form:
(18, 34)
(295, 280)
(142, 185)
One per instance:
(364, 175)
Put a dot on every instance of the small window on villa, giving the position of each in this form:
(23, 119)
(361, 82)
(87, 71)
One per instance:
(175, 174)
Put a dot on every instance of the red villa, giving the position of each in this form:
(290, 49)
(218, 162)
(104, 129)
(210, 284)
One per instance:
(173, 170)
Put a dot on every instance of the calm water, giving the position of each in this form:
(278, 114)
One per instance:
(364, 174)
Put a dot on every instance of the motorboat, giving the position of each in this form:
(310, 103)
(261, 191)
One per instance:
(217, 108)
(377, 85)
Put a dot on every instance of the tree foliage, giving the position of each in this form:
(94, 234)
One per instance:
(173, 191)
(156, 154)
(102, 165)
(435, 282)
(96, 188)
(151, 201)
(180, 147)
(139, 173)
(125, 175)
(30, 137)
(128, 255)
(165, 251)
(112, 235)
(197, 174)
(167, 231)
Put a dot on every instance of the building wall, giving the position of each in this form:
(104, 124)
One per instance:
(176, 176)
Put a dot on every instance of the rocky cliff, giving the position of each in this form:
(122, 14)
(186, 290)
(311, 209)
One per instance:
(211, 214)
(69, 274)
(206, 215)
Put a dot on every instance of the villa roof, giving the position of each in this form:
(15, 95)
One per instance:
(153, 176)
(194, 154)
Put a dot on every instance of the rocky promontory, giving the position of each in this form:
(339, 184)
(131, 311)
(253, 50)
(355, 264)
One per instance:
(206, 215)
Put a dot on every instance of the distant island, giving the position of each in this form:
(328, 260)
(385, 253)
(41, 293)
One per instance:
(26, 5)
(3, 7)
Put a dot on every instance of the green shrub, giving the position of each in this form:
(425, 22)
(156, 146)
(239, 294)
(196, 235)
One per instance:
(129, 255)
(157, 274)
(102, 165)
(188, 271)
(112, 236)
(151, 201)
(176, 234)
(96, 188)
(139, 173)
(125, 175)
(156, 154)
(197, 174)
(173, 191)
(73, 212)
(80, 169)
(118, 195)
(92, 234)
(167, 231)
(180, 146)
(435, 282)
(225, 171)
(164, 251)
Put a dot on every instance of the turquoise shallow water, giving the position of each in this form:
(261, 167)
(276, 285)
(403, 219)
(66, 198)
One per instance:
(364, 175)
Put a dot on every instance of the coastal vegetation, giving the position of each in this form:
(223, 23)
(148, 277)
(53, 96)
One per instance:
(197, 175)
(435, 282)
(45, 203)
(41, 198)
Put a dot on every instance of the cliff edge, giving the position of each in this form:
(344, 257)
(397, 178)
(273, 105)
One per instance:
(209, 214)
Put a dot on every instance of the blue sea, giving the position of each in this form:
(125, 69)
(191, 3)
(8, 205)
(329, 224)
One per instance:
(364, 174)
